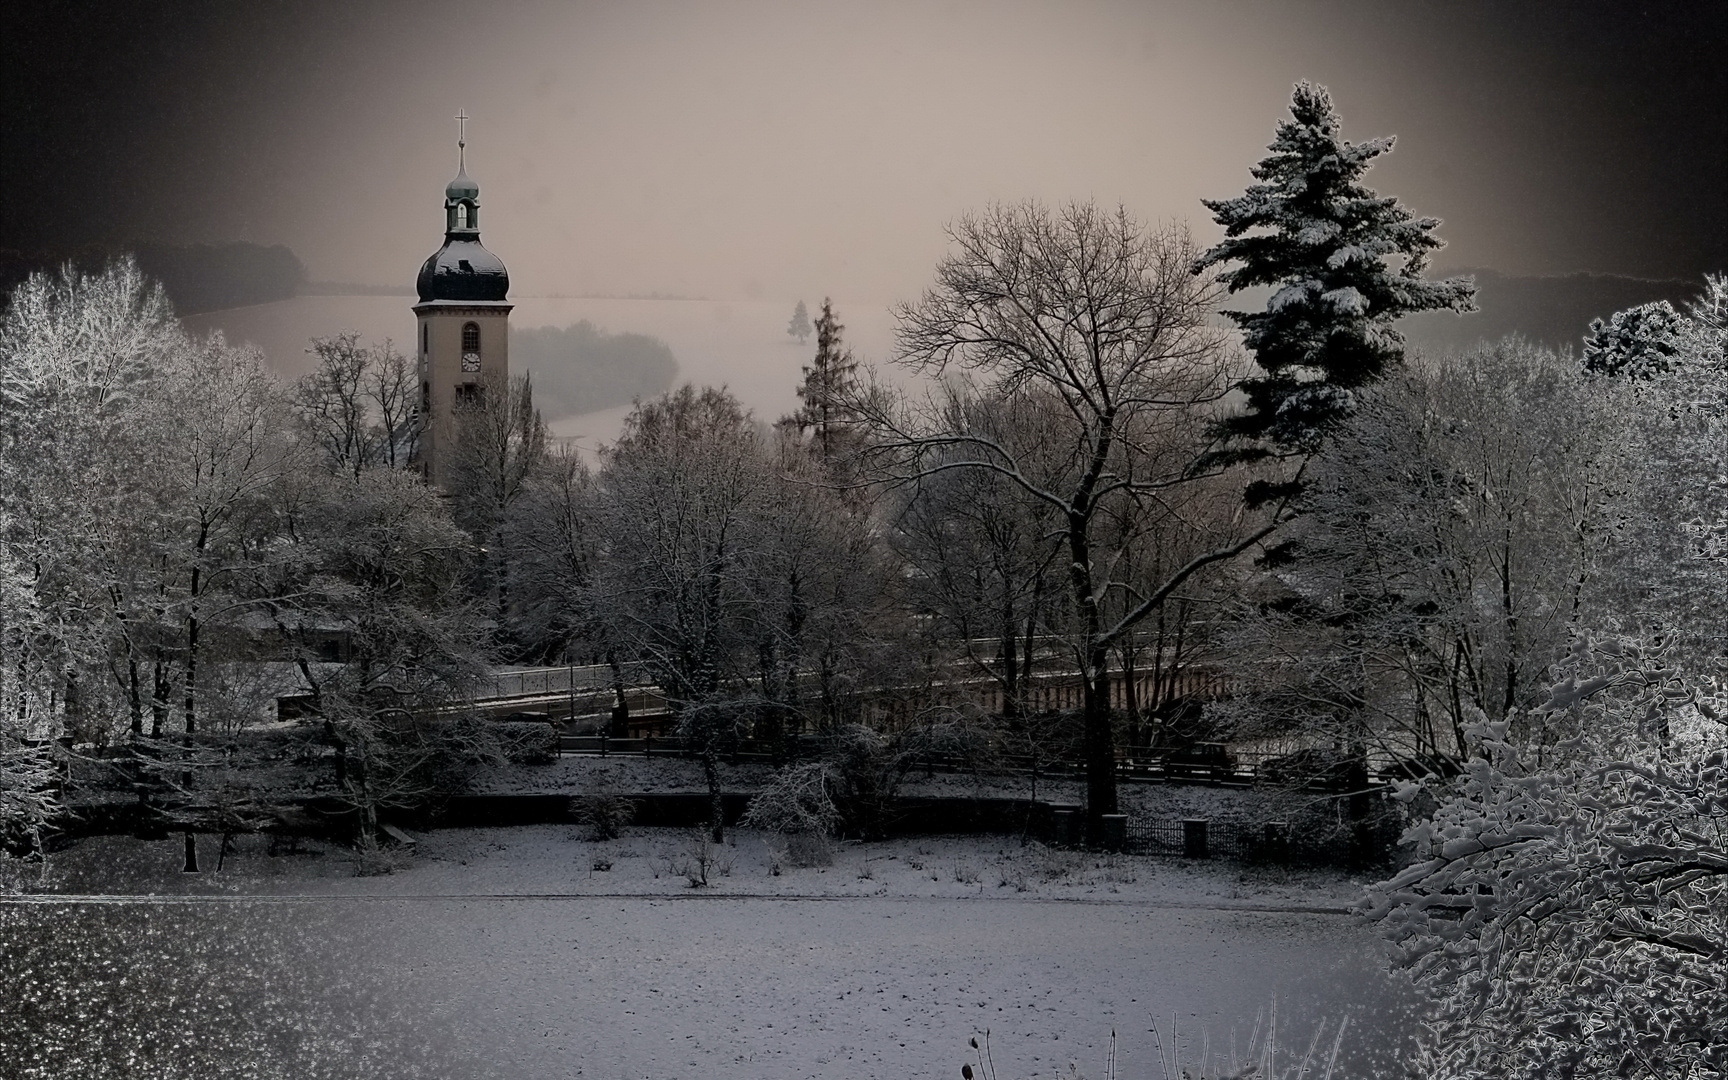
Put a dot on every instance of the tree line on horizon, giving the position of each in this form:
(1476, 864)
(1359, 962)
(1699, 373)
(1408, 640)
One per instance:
(196, 277)
(1504, 568)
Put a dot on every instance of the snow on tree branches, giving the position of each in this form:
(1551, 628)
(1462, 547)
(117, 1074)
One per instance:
(1638, 343)
(1321, 239)
(1568, 912)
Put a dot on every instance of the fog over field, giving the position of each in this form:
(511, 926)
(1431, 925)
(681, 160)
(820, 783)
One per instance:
(740, 344)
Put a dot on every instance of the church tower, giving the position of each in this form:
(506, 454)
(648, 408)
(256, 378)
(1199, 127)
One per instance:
(464, 329)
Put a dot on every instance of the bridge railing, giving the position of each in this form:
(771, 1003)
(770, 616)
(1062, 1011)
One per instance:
(544, 681)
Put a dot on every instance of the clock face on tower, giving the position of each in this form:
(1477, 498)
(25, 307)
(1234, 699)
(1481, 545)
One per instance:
(470, 361)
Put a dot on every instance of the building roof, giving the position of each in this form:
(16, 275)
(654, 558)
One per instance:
(463, 271)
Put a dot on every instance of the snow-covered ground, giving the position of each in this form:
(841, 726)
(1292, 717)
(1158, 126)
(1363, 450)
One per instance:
(561, 860)
(509, 953)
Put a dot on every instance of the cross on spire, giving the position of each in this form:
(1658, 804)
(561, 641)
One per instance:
(462, 140)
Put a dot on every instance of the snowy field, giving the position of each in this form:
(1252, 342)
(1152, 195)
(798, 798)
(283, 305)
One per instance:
(507, 953)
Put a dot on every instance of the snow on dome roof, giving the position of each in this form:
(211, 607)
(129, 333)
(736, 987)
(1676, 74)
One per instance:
(463, 271)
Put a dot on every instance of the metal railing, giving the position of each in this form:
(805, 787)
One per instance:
(1196, 838)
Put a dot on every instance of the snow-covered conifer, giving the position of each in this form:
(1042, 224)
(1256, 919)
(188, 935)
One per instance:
(1321, 240)
(1638, 343)
(830, 380)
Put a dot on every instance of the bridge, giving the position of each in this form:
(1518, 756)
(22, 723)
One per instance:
(582, 695)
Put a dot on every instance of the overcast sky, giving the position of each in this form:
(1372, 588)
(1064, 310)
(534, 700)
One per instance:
(777, 149)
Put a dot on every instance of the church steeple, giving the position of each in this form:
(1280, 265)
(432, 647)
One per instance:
(462, 195)
(464, 332)
(462, 269)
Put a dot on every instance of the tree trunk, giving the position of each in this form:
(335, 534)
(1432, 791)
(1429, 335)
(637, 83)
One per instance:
(1100, 740)
(192, 628)
(1025, 683)
(716, 804)
(134, 692)
(1510, 696)
(619, 724)
(191, 673)
(1130, 692)
(1100, 749)
(158, 698)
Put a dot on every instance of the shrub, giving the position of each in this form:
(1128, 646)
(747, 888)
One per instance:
(525, 742)
(605, 813)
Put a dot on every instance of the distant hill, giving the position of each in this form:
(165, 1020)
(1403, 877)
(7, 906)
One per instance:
(582, 369)
(197, 278)
(350, 288)
(1554, 311)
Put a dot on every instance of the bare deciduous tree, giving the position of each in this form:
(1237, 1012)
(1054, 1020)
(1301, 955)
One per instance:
(356, 407)
(1098, 328)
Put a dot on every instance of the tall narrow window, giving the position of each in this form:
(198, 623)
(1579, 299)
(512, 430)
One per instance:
(423, 339)
(471, 347)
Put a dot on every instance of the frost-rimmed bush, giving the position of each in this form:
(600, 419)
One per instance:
(1571, 916)
(798, 808)
(604, 812)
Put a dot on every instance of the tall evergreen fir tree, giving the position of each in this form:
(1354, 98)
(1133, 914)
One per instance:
(1313, 232)
(829, 379)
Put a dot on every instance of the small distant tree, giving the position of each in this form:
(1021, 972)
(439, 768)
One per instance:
(715, 728)
(552, 533)
(989, 565)
(1321, 240)
(799, 327)
(824, 593)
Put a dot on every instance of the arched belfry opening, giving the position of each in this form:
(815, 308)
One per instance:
(464, 312)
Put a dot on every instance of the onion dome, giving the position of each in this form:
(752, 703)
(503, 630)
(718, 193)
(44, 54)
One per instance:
(463, 271)
(463, 187)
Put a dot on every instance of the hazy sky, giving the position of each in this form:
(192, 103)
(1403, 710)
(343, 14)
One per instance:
(777, 149)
